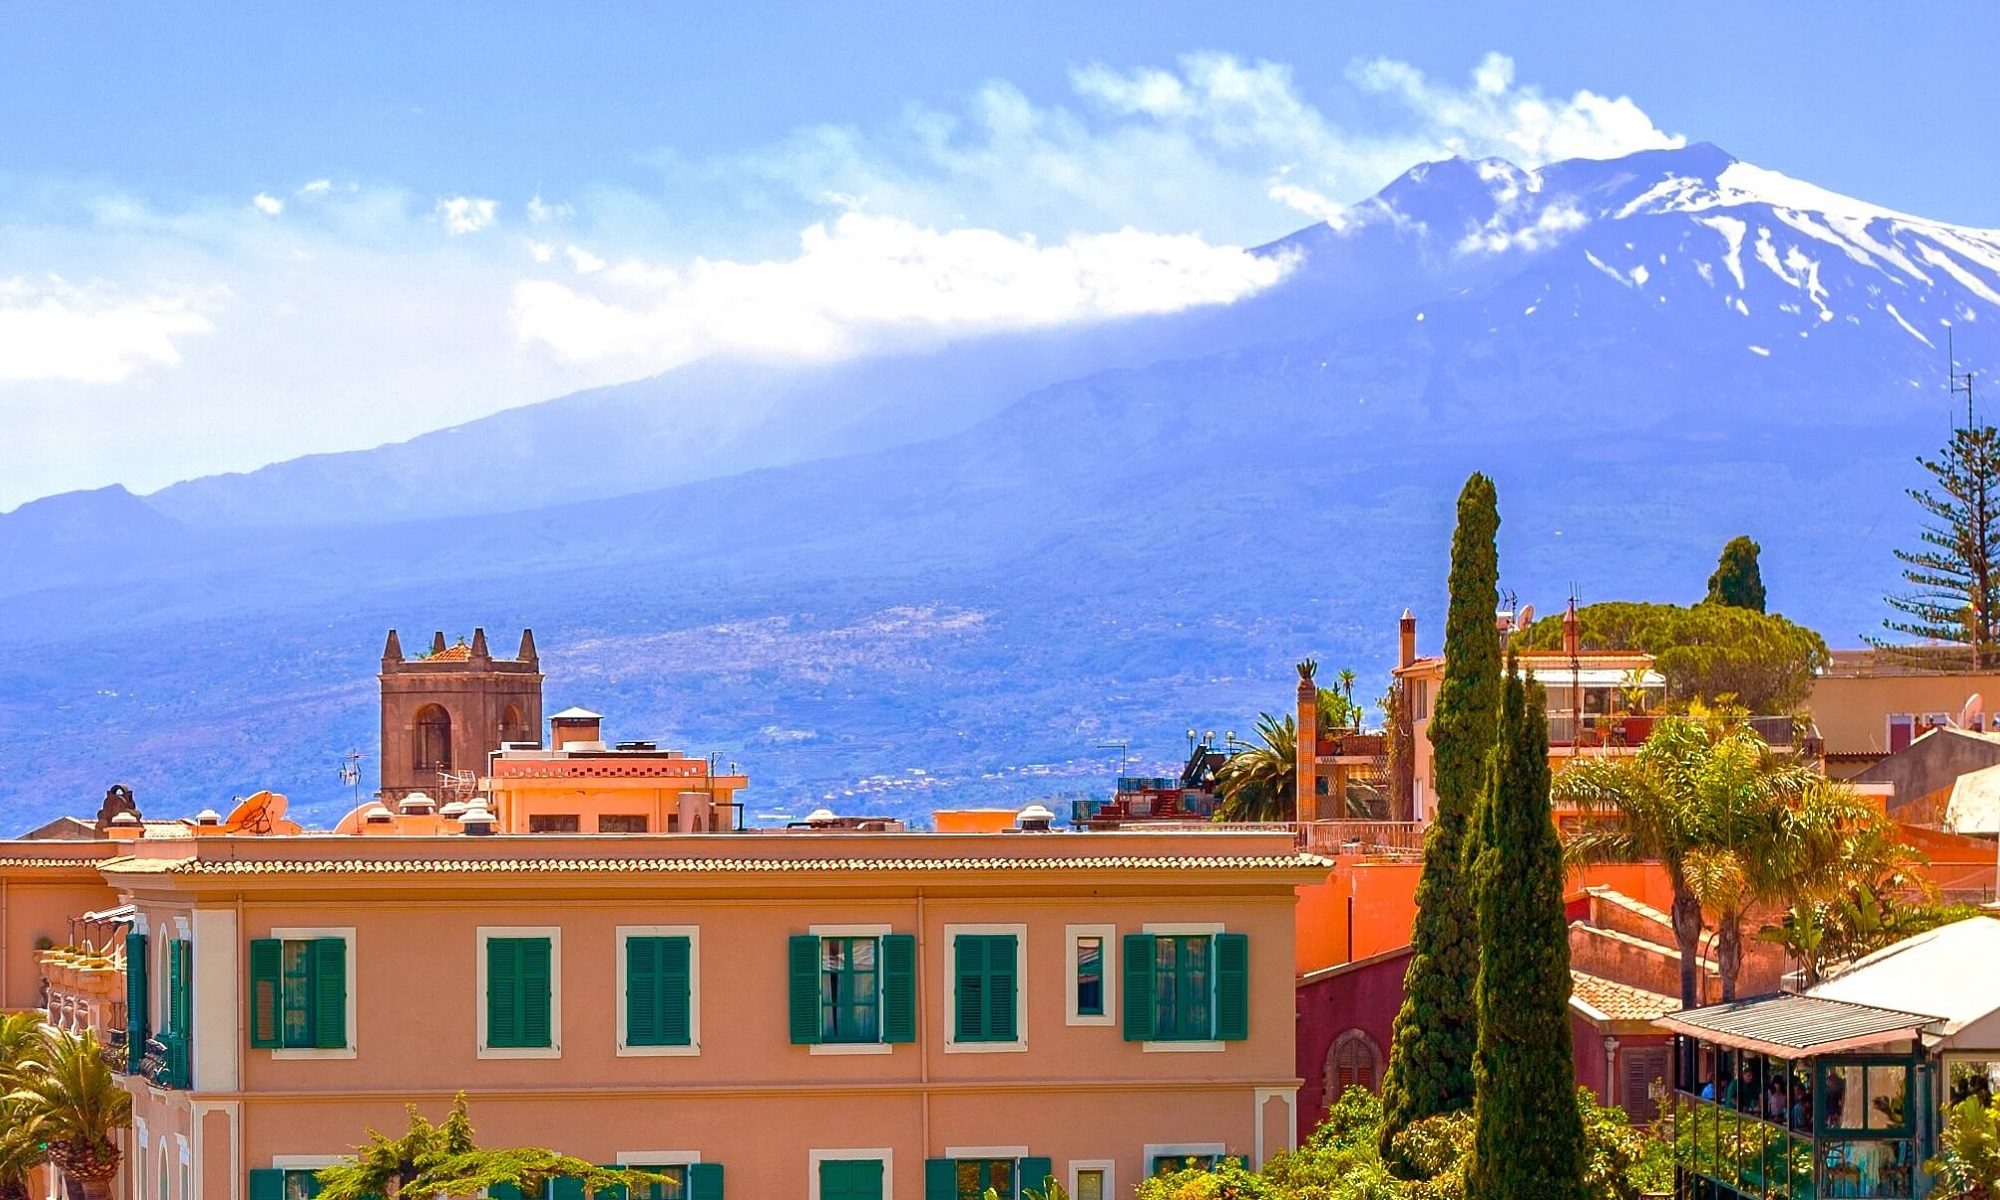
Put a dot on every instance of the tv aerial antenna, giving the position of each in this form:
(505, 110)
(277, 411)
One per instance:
(1955, 380)
(350, 772)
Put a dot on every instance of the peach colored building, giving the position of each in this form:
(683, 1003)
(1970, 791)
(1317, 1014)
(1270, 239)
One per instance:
(580, 785)
(824, 1015)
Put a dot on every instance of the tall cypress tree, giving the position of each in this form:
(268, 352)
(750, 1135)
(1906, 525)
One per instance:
(1436, 1033)
(1737, 582)
(1528, 1136)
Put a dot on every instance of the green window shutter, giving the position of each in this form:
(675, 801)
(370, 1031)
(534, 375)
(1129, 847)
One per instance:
(267, 1183)
(704, 1181)
(1232, 987)
(615, 1191)
(537, 984)
(899, 988)
(676, 992)
(503, 994)
(503, 1191)
(940, 1179)
(1002, 970)
(568, 1187)
(1138, 997)
(176, 986)
(804, 1007)
(267, 965)
(970, 986)
(642, 991)
(135, 1001)
(329, 999)
(184, 1023)
(1036, 1173)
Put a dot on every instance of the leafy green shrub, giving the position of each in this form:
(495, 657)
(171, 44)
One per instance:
(1968, 1161)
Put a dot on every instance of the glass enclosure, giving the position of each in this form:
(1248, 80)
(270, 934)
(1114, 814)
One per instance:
(1833, 1126)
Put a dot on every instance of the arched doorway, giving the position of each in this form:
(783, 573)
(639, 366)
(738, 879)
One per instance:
(430, 748)
(514, 726)
(1354, 1060)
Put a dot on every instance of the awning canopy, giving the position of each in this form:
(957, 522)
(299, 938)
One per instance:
(124, 912)
(1791, 1026)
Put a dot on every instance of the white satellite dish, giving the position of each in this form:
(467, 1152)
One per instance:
(1974, 706)
(1526, 617)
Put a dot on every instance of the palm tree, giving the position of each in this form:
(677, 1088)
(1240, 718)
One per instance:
(1702, 798)
(1261, 783)
(20, 1151)
(72, 1102)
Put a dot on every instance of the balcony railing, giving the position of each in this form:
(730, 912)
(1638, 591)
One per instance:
(1392, 839)
(1598, 731)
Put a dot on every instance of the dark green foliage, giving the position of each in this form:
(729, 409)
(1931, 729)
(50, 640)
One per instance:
(1955, 576)
(1712, 652)
(1737, 582)
(1527, 1145)
(1430, 1062)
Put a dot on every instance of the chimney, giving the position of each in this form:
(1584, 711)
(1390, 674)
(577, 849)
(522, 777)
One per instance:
(1306, 746)
(392, 651)
(437, 643)
(527, 651)
(1406, 635)
(576, 729)
(479, 650)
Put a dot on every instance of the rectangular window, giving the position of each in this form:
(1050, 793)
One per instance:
(850, 996)
(519, 993)
(850, 1179)
(658, 991)
(1183, 995)
(298, 993)
(1167, 1164)
(621, 823)
(1090, 1185)
(675, 1187)
(975, 1175)
(553, 823)
(1090, 976)
(986, 987)
(301, 1185)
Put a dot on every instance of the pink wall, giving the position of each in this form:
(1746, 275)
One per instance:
(1364, 997)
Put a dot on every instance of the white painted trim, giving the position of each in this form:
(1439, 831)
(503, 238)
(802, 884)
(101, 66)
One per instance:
(986, 1152)
(486, 933)
(885, 1155)
(1109, 1166)
(839, 1048)
(1154, 1150)
(302, 1053)
(1201, 1047)
(1263, 1096)
(217, 1038)
(657, 1158)
(693, 935)
(1183, 928)
(951, 1043)
(1107, 963)
(304, 1162)
(139, 1124)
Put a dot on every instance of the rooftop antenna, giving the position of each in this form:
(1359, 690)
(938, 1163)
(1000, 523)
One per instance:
(350, 772)
(1955, 382)
(1120, 747)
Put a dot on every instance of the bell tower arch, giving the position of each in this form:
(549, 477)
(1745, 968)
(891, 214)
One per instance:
(448, 708)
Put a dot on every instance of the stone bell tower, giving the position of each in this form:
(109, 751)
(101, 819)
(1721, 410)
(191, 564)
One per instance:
(444, 711)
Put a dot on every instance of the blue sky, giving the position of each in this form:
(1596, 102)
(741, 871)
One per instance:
(235, 235)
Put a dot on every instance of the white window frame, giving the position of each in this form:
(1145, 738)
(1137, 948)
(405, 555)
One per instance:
(1156, 1150)
(300, 934)
(486, 933)
(1015, 1153)
(187, 1167)
(693, 935)
(884, 1154)
(643, 1159)
(1108, 963)
(1109, 1166)
(878, 932)
(1020, 1043)
(1213, 1045)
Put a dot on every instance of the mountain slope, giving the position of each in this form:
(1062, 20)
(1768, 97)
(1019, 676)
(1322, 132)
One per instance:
(1116, 556)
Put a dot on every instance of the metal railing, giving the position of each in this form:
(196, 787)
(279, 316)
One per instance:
(1598, 731)
(1384, 838)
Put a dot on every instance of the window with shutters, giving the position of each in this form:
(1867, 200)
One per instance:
(975, 1175)
(848, 1178)
(301, 994)
(968, 1173)
(520, 984)
(1091, 983)
(853, 989)
(1354, 1060)
(986, 988)
(1644, 1069)
(659, 992)
(1185, 988)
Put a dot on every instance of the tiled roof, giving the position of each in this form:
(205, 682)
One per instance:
(711, 866)
(1792, 1026)
(87, 861)
(458, 653)
(1620, 1001)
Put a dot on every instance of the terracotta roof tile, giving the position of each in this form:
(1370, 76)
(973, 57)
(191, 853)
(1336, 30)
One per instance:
(712, 866)
(1620, 1001)
(458, 653)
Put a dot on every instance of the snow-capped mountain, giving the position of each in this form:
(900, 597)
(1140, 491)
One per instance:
(1136, 531)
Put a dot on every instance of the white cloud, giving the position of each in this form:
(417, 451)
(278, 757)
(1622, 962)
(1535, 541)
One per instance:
(866, 282)
(541, 212)
(466, 214)
(583, 260)
(317, 187)
(270, 206)
(1544, 229)
(90, 335)
(541, 252)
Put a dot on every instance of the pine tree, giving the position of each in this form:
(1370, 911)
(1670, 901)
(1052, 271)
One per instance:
(1528, 1139)
(1737, 582)
(1955, 577)
(1436, 1032)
